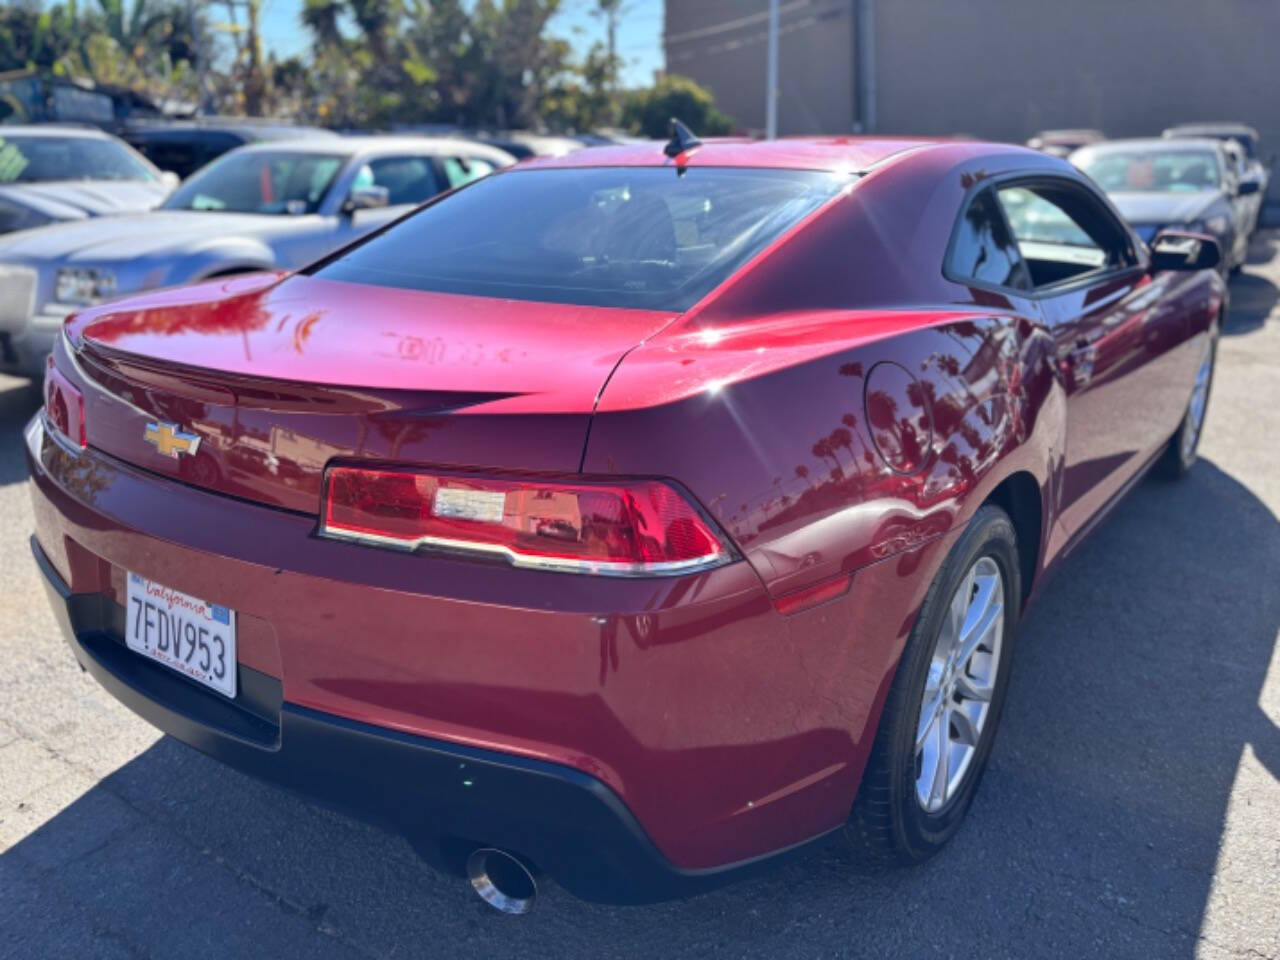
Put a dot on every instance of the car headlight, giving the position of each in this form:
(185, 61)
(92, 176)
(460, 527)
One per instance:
(83, 285)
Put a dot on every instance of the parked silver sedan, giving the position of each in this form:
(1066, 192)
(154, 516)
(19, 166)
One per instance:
(50, 174)
(276, 205)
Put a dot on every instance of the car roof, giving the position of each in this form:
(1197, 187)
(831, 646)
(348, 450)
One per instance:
(52, 130)
(240, 127)
(1153, 145)
(796, 153)
(1070, 133)
(1224, 129)
(355, 145)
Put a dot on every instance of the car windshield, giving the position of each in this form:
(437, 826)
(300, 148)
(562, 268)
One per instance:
(1146, 171)
(26, 159)
(641, 237)
(260, 181)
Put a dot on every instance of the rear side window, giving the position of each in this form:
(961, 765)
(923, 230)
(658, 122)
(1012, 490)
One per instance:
(983, 248)
(639, 237)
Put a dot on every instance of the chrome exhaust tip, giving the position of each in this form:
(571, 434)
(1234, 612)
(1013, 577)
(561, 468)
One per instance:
(502, 880)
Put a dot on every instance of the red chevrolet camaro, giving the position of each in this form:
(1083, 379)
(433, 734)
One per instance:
(630, 516)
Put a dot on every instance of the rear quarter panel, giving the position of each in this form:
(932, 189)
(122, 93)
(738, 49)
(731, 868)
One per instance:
(823, 444)
(777, 430)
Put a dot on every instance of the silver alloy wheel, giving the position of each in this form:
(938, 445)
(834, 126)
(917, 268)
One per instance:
(959, 686)
(1199, 402)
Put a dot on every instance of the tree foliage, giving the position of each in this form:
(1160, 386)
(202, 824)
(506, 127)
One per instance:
(371, 64)
(648, 112)
(145, 45)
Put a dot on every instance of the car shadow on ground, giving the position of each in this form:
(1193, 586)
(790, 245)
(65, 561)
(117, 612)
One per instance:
(1096, 831)
(19, 399)
(1262, 248)
(1253, 295)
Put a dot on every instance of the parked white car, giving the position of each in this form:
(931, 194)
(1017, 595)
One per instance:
(268, 206)
(51, 174)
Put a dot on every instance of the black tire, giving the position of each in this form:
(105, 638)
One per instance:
(888, 824)
(1178, 459)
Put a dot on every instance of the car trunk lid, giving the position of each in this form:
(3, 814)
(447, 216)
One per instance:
(251, 385)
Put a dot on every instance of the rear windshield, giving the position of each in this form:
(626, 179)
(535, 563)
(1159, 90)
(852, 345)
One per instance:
(639, 237)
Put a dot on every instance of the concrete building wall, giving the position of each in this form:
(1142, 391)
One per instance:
(1003, 69)
(995, 69)
(723, 45)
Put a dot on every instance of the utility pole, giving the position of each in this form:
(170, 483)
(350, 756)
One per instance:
(866, 66)
(248, 63)
(771, 94)
(202, 67)
(611, 10)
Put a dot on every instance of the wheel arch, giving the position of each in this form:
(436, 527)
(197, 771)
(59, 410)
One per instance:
(1019, 496)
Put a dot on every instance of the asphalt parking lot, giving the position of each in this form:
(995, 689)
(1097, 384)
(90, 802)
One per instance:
(1131, 809)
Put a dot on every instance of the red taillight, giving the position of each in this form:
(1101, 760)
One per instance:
(635, 528)
(64, 405)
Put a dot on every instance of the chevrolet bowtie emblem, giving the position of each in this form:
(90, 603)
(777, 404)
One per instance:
(170, 441)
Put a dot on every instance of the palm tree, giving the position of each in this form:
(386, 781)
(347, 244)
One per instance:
(321, 18)
(133, 29)
(375, 18)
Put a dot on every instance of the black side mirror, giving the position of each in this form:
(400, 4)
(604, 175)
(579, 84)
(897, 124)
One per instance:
(1247, 187)
(366, 198)
(1179, 250)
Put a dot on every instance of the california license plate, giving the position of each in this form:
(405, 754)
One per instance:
(192, 636)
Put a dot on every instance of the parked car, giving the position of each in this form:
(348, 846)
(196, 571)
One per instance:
(522, 144)
(1249, 204)
(1184, 184)
(38, 96)
(51, 174)
(1258, 169)
(268, 206)
(1060, 143)
(185, 146)
(606, 516)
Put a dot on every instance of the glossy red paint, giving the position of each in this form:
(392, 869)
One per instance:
(263, 370)
(849, 154)
(839, 406)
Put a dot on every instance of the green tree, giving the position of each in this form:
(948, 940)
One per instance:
(32, 37)
(648, 112)
(481, 63)
(322, 18)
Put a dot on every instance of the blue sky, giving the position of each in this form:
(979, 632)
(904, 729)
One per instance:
(639, 33)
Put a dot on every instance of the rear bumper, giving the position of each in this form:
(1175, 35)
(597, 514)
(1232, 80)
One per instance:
(641, 738)
(446, 798)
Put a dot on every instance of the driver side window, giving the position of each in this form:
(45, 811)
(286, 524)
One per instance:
(1063, 233)
(408, 180)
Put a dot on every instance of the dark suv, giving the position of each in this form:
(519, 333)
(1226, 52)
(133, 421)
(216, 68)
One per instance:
(185, 146)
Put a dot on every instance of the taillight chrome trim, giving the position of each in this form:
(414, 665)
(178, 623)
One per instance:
(666, 568)
(51, 431)
(59, 381)
(33, 435)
